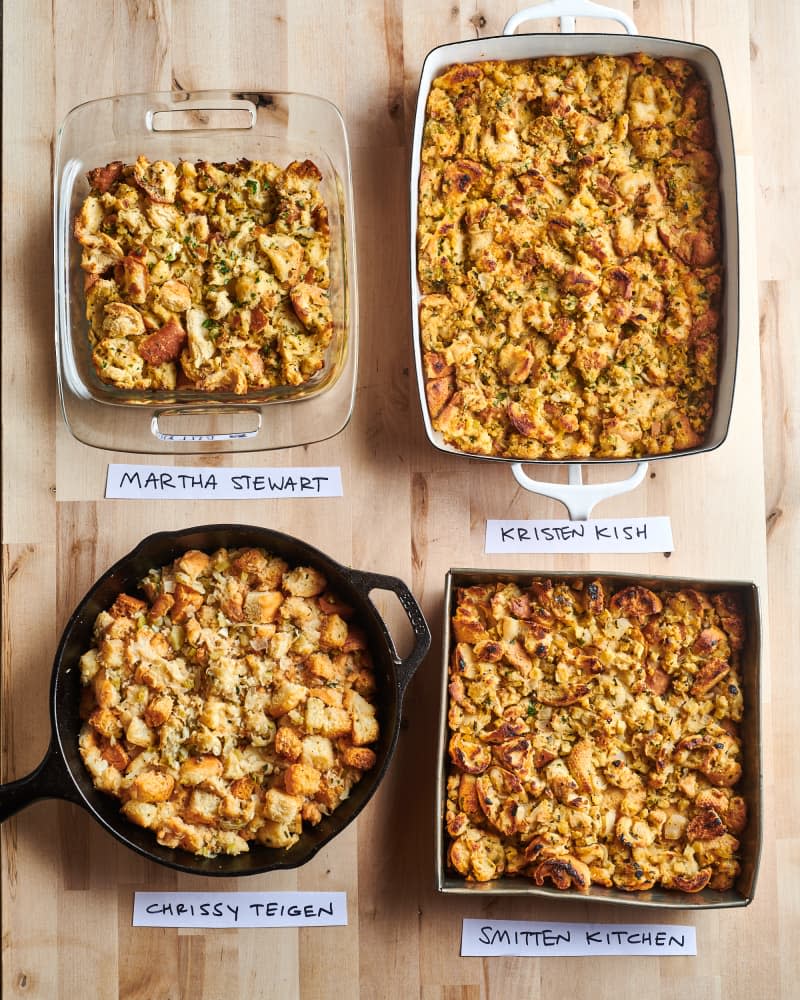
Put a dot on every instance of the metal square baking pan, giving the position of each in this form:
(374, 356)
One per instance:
(218, 126)
(750, 785)
(527, 46)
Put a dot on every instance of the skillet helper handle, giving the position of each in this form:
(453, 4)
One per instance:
(50, 780)
(566, 11)
(578, 497)
(366, 582)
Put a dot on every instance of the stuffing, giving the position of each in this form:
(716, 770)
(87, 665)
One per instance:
(569, 764)
(569, 257)
(212, 710)
(212, 277)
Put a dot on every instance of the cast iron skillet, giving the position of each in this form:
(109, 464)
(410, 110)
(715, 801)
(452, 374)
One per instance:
(62, 775)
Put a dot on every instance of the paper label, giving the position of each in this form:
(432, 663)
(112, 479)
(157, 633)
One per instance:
(171, 482)
(539, 939)
(620, 534)
(240, 909)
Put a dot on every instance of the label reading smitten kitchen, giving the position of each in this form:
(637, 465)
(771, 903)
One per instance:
(621, 534)
(172, 482)
(539, 939)
(240, 909)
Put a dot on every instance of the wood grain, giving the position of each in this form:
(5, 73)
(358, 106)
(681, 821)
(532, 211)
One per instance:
(66, 887)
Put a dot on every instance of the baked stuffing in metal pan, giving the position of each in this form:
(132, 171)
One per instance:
(594, 735)
(569, 257)
(235, 704)
(206, 276)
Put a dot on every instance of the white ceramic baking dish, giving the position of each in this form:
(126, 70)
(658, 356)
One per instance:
(218, 126)
(577, 496)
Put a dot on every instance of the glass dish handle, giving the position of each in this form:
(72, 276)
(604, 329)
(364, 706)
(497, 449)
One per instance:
(195, 112)
(196, 433)
(566, 11)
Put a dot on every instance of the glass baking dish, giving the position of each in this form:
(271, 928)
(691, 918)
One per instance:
(218, 126)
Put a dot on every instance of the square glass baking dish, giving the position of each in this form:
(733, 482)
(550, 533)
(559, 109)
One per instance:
(218, 126)
(750, 786)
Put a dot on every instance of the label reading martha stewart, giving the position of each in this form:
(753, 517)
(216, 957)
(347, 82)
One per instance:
(172, 482)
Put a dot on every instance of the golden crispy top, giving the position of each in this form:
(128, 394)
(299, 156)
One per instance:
(594, 735)
(568, 255)
(233, 705)
(206, 276)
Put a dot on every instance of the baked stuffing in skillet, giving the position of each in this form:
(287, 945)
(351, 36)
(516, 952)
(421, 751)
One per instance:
(235, 703)
(569, 257)
(206, 276)
(594, 736)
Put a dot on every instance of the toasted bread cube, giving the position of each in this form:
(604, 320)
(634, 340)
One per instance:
(331, 696)
(318, 752)
(127, 607)
(287, 743)
(281, 807)
(365, 729)
(106, 694)
(139, 733)
(273, 834)
(152, 786)
(358, 757)
(203, 807)
(243, 788)
(115, 755)
(321, 666)
(301, 779)
(261, 606)
(187, 601)
(304, 582)
(141, 813)
(106, 722)
(365, 725)
(176, 833)
(89, 666)
(160, 607)
(334, 632)
(286, 697)
(196, 770)
(328, 720)
(158, 710)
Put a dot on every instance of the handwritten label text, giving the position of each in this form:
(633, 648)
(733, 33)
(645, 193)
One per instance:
(240, 909)
(154, 482)
(521, 938)
(635, 534)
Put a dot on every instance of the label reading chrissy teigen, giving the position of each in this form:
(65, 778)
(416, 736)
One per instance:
(240, 909)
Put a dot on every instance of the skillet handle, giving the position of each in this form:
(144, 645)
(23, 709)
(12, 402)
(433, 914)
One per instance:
(365, 582)
(50, 780)
(566, 11)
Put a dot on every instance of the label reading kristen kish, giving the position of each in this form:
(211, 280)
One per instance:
(173, 482)
(538, 939)
(240, 909)
(629, 534)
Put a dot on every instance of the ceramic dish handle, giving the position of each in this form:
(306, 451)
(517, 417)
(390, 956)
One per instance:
(566, 11)
(366, 582)
(578, 497)
(50, 780)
